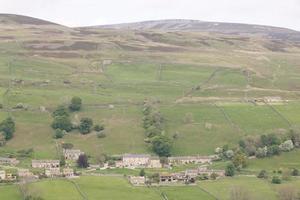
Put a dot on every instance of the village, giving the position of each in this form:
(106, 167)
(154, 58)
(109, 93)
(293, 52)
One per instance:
(41, 169)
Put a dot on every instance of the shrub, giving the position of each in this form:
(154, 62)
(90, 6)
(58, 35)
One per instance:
(262, 174)
(273, 150)
(229, 154)
(101, 134)
(287, 145)
(60, 111)
(85, 125)
(230, 170)
(76, 103)
(59, 134)
(295, 172)
(276, 180)
(214, 176)
(239, 160)
(98, 128)
(261, 152)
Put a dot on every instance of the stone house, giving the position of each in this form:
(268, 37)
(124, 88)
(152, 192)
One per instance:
(52, 172)
(135, 160)
(137, 180)
(68, 172)
(72, 154)
(45, 163)
(154, 162)
(166, 178)
(25, 173)
(2, 175)
(181, 160)
(8, 161)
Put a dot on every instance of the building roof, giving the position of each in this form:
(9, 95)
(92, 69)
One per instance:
(136, 156)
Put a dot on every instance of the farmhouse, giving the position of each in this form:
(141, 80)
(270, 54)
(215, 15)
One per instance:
(8, 161)
(166, 178)
(68, 172)
(154, 162)
(2, 175)
(52, 172)
(45, 163)
(190, 159)
(24, 173)
(72, 154)
(135, 160)
(137, 180)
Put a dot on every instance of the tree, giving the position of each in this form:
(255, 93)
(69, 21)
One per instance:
(287, 145)
(61, 111)
(62, 122)
(270, 139)
(8, 127)
(229, 154)
(261, 152)
(273, 150)
(62, 161)
(142, 172)
(76, 103)
(276, 180)
(59, 134)
(239, 160)
(162, 145)
(230, 170)
(262, 174)
(82, 161)
(85, 125)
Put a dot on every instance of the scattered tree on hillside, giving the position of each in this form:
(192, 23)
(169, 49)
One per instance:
(276, 180)
(230, 170)
(61, 111)
(82, 161)
(162, 145)
(295, 172)
(59, 134)
(142, 172)
(76, 103)
(62, 122)
(263, 174)
(239, 160)
(8, 127)
(86, 125)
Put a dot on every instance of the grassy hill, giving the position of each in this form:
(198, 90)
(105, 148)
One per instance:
(204, 74)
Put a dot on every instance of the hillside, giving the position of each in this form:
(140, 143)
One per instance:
(210, 74)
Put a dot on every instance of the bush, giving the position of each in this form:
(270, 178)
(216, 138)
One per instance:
(276, 180)
(295, 172)
(8, 127)
(230, 170)
(59, 134)
(62, 122)
(287, 145)
(76, 103)
(261, 152)
(273, 150)
(60, 111)
(214, 176)
(85, 125)
(262, 174)
(98, 128)
(239, 160)
(229, 154)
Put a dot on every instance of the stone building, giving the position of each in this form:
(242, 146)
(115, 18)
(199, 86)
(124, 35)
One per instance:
(167, 178)
(137, 180)
(8, 161)
(68, 172)
(25, 173)
(154, 162)
(181, 160)
(135, 160)
(45, 163)
(52, 172)
(72, 154)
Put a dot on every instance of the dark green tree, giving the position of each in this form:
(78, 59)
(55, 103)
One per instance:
(142, 172)
(82, 161)
(162, 145)
(61, 111)
(8, 127)
(230, 170)
(76, 103)
(58, 134)
(86, 125)
(62, 122)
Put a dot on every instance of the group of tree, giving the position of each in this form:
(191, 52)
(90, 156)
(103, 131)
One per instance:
(270, 144)
(8, 128)
(155, 134)
(62, 121)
